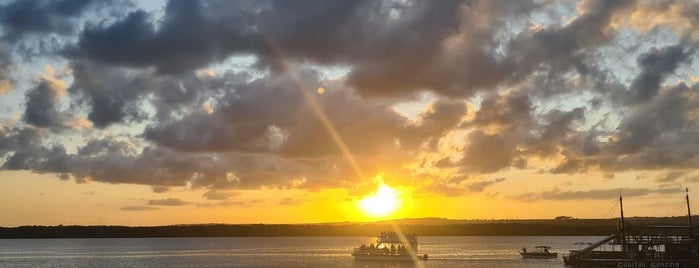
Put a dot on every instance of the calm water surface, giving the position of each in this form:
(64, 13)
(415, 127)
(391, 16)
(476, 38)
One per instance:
(450, 251)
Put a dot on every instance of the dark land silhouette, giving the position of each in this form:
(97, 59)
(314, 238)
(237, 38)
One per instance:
(423, 227)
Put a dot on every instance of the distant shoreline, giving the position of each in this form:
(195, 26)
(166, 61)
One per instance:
(422, 227)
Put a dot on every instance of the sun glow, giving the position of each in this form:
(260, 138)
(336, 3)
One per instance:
(384, 202)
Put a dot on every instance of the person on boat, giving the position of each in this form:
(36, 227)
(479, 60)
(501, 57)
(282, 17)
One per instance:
(524, 249)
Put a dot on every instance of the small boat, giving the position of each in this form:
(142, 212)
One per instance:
(539, 252)
(390, 246)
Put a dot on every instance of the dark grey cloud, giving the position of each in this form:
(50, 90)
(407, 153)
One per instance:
(555, 49)
(191, 35)
(442, 116)
(392, 47)
(487, 153)
(463, 185)
(139, 208)
(40, 159)
(570, 165)
(219, 195)
(243, 120)
(41, 108)
(25, 17)
(595, 194)
(660, 133)
(118, 162)
(560, 123)
(560, 128)
(14, 138)
(293, 144)
(509, 118)
(243, 130)
(270, 114)
(655, 65)
(481, 185)
(112, 95)
(5, 69)
(507, 111)
(17, 146)
(104, 146)
(167, 202)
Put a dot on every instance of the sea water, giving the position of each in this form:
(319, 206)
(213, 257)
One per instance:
(443, 251)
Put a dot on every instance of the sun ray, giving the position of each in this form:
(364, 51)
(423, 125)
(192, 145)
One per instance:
(317, 109)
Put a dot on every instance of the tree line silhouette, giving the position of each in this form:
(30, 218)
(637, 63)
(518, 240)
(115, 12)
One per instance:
(462, 228)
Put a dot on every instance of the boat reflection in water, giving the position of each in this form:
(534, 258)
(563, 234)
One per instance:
(390, 246)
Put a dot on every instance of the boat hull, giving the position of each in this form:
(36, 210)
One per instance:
(539, 255)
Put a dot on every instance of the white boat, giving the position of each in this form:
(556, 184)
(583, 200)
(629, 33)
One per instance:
(390, 246)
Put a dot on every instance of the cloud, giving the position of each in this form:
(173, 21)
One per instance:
(463, 185)
(657, 134)
(219, 195)
(191, 35)
(255, 118)
(555, 50)
(5, 69)
(481, 185)
(159, 188)
(139, 208)
(14, 138)
(526, 85)
(237, 203)
(439, 118)
(595, 194)
(403, 46)
(113, 95)
(504, 111)
(41, 108)
(24, 17)
(676, 15)
(655, 65)
(487, 153)
(288, 201)
(167, 202)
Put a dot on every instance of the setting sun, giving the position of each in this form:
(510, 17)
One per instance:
(384, 202)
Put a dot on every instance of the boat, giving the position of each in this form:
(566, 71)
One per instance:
(641, 246)
(390, 246)
(539, 252)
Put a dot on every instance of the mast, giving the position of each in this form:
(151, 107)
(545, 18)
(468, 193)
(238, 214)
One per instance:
(689, 212)
(621, 205)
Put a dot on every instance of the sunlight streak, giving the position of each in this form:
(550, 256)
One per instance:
(413, 255)
(317, 109)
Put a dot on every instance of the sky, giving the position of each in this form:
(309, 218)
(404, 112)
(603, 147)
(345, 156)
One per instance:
(184, 112)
